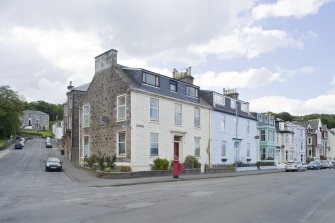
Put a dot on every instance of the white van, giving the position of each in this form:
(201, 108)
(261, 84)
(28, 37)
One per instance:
(47, 140)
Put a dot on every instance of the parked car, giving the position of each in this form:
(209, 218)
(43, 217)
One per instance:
(18, 145)
(314, 165)
(48, 145)
(305, 165)
(47, 140)
(294, 166)
(326, 164)
(53, 163)
(22, 141)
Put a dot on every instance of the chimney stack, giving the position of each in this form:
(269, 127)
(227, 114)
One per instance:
(106, 60)
(232, 93)
(69, 87)
(183, 76)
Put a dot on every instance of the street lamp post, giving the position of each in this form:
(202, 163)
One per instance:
(235, 143)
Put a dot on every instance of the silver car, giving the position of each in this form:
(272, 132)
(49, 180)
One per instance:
(294, 166)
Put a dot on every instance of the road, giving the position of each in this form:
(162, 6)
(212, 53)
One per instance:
(29, 194)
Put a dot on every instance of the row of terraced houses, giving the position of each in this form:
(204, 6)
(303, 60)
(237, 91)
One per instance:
(140, 115)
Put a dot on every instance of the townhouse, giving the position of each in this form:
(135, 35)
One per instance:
(139, 115)
(233, 131)
(285, 142)
(71, 122)
(267, 137)
(315, 146)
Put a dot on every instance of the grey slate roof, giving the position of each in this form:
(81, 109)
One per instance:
(133, 76)
(83, 87)
(314, 123)
(35, 112)
(208, 96)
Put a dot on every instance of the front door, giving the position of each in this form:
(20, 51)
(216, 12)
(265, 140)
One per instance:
(176, 150)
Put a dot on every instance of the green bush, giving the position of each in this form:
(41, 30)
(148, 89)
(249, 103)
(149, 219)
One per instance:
(191, 162)
(161, 164)
(90, 160)
(107, 169)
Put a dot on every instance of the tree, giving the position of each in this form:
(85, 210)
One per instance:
(11, 108)
(285, 116)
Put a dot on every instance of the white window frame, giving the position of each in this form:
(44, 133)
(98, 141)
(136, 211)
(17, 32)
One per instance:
(153, 143)
(248, 150)
(245, 107)
(233, 103)
(219, 99)
(178, 114)
(309, 141)
(173, 83)
(223, 148)
(86, 148)
(120, 106)
(263, 130)
(86, 115)
(197, 118)
(197, 143)
(118, 144)
(70, 122)
(154, 119)
(223, 123)
(145, 79)
(192, 92)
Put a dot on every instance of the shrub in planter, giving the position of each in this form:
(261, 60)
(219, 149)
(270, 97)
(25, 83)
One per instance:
(191, 162)
(161, 164)
(108, 169)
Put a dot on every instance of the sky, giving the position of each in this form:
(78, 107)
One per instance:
(279, 55)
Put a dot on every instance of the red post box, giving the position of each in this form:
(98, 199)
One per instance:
(177, 167)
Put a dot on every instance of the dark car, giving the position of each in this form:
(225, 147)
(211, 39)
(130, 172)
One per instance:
(48, 145)
(53, 164)
(313, 166)
(18, 145)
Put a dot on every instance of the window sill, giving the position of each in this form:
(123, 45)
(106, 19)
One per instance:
(121, 156)
(154, 156)
(154, 122)
(154, 86)
(199, 128)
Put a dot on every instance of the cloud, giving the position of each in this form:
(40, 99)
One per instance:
(320, 104)
(249, 42)
(65, 49)
(250, 78)
(288, 8)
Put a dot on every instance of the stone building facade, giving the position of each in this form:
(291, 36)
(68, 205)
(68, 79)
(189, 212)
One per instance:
(35, 120)
(132, 113)
(71, 122)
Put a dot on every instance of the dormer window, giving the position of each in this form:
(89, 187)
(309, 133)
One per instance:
(219, 99)
(233, 103)
(173, 86)
(245, 107)
(150, 79)
(191, 91)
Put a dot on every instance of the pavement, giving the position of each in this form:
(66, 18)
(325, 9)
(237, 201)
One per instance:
(87, 178)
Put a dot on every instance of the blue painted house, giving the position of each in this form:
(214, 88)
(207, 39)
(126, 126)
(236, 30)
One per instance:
(233, 131)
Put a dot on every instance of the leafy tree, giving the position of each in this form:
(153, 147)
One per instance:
(11, 108)
(284, 116)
